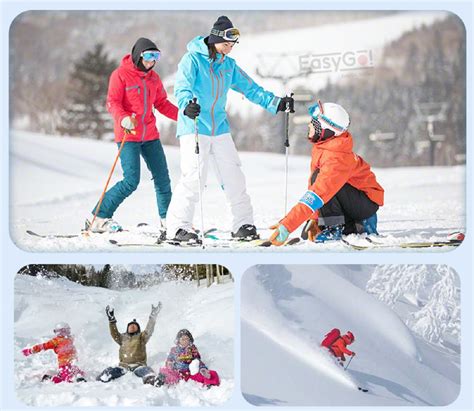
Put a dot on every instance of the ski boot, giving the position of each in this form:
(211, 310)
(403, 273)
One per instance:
(247, 232)
(370, 224)
(330, 233)
(184, 236)
(103, 225)
(162, 229)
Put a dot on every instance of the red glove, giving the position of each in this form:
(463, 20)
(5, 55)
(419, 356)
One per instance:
(26, 351)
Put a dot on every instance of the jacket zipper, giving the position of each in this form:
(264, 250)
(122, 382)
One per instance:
(144, 109)
(215, 101)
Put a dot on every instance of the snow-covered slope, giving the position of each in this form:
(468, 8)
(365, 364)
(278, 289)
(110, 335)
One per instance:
(40, 303)
(56, 181)
(287, 310)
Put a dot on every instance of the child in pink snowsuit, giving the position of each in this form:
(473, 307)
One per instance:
(63, 346)
(184, 363)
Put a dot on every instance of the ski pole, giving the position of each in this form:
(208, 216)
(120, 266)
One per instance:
(196, 139)
(347, 366)
(289, 109)
(125, 134)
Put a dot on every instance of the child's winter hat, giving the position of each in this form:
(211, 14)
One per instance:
(134, 321)
(182, 332)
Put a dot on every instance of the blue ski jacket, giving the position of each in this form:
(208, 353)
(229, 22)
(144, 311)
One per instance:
(210, 81)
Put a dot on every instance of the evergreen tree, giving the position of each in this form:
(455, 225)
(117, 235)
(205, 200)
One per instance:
(86, 114)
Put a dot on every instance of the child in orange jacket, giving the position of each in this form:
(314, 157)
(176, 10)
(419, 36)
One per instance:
(63, 346)
(343, 194)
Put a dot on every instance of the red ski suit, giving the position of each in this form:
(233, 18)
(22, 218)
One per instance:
(337, 165)
(132, 91)
(339, 348)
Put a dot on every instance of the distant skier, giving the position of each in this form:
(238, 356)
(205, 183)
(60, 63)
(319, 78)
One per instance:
(337, 344)
(184, 363)
(208, 73)
(343, 194)
(63, 346)
(132, 352)
(134, 90)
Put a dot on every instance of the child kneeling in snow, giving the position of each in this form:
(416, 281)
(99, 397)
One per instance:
(343, 194)
(184, 363)
(63, 346)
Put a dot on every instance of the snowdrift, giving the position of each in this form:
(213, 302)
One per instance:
(287, 310)
(41, 302)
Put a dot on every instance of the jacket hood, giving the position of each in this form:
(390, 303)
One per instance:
(341, 144)
(198, 45)
(140, 46)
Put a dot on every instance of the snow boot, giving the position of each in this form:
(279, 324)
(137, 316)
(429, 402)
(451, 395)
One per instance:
(330, 233)
(246, 232)
(103, 225)
(159, 380)
(370, 224)
(150, 379)
(185, 236)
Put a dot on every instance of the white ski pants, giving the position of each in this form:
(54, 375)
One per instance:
(219, 150)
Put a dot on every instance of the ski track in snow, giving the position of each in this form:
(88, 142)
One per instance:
(40, 303)
(56, 181)
(286, 311)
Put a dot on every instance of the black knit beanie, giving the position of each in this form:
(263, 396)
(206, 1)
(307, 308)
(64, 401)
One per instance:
(222, 23)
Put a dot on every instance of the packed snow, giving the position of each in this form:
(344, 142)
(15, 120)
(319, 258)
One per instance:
(287, 310)
(56, 181)
(40, 303)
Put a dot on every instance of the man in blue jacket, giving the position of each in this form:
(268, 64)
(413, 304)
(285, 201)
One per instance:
(207, 73)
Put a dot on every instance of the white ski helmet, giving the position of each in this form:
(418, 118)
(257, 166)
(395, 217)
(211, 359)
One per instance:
(331, 116)
(62, 329)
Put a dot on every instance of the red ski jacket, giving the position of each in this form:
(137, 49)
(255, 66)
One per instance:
(339, 348)
(132, 91)
(337, 165)
(62, 346)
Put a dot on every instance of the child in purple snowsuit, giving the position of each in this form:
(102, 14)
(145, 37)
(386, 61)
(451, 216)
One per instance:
(184, 363)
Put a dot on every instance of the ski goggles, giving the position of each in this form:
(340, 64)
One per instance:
(231, 34)
(151, 55)
(320, 133)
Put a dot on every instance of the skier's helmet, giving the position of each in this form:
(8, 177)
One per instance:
(134, 321)
(62, 329)
(330, 116)
(185, 332)
(350, 336)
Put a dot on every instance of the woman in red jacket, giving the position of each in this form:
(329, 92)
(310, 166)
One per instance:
(343, 194)
(134, 90)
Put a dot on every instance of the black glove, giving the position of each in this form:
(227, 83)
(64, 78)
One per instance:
(192, 110)
(110, 313)
(286, 102)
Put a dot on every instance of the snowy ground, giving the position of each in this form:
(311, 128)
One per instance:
(40, 303)
(55, 182)
(287, 310)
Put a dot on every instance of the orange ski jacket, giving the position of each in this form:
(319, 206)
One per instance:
(62, 346)
(336, 164)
